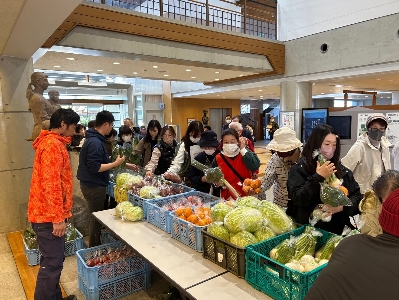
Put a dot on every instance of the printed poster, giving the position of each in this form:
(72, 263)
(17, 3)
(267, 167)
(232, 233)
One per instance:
(288, 119)
(392, 133)
(361, 123)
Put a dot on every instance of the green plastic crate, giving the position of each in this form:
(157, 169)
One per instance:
(275, 279)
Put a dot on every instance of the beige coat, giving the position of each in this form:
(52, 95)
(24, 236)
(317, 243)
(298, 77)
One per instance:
(370, 208)
(144, 148)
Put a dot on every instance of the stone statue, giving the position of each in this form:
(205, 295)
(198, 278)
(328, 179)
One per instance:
(54, 96)
(205, 119)
(40, 107)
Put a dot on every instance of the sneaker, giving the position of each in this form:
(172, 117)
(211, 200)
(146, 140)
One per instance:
(70, 297)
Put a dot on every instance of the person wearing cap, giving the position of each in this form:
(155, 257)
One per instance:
(287, 149)
(369, 156)
(272, 127)
(364, 267)
(371, 204)
(209, 144)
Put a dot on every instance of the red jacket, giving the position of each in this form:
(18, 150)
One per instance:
(50, 198)
(229, 175)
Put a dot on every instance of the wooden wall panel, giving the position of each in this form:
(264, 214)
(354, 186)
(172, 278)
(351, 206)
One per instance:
(183, 109)
(162, 28)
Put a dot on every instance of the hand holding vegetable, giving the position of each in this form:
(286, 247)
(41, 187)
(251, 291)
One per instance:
(325, 169)
(119, 160)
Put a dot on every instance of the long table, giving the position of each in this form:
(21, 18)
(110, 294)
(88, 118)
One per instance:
(182, 266)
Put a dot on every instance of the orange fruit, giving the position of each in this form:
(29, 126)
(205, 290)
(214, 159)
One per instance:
(246, 189)
(202, 222)
(257, 190)
(198, 210)
(182, 217)
(179, 211)
(193, 218)
(344, 189)
(208, 219)
(258, 183)
(187, 211)
(247, 181)
(207, 211)
(201, 214)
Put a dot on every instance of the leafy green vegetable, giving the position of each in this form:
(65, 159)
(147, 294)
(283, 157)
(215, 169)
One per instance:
(125, 180)
(264, 233)
(219, 211)
(149, 192)
(121, 207)
(219, 230)
(279, 222)
(126, 211)
(244, 218)
(249, 201)
(243, 238)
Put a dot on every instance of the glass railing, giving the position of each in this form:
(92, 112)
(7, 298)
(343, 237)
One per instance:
(202, 14)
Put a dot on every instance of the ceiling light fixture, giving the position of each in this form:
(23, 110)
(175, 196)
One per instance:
(100, 70)
(260, 90)
(241, 75)
(193, 77)
(322, 93)
(135, 73)
(70, 58)
(217, 72)
(188, 70)
(155, 67)
(166, 75)
(57, 66)
(116, 63)
(338, 85)
(217, 79)
(378, 78)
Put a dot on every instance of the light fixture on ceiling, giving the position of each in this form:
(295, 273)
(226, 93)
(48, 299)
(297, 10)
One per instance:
(116, 63)
(193, 77)
(259, 90)
(135, 73)
(216, 79)
(366, 96)
(100, 70)
(57, 66)
(322, 93)
(217, 95)
(70, 58)
(224, 97)
(338, 85)
(188, 70)
(166, 75)
(92, 83)
(378, 78)
(217, 72)
(241, 75)
(155, 67)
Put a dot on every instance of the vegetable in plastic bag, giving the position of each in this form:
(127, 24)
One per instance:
(219, 211)
(318, 214)
(285, 251)
(278, 220)
(244, 218)
(306, 243)
(30, 238)
(243, 238)
(149, 192)
(219, 230)
(248, 201)
(126, 211)
(264, 233)
(70, 233)
(326, 251)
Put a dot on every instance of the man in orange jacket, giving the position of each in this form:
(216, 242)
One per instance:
(50, 200)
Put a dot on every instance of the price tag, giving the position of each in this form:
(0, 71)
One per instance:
(220, 257)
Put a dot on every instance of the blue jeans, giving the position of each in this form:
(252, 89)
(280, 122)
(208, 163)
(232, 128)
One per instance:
(51, 262)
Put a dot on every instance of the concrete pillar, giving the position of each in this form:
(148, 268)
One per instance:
(293, 97)
(167, 100)
(131, 111)
(16, 124)
(395, 98)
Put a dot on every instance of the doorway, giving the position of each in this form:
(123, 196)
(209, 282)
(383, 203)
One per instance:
(216, 119)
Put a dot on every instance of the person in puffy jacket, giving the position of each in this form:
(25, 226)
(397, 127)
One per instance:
(305, 176)
(371, 204)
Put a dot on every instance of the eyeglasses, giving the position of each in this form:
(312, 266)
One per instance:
(377, 129)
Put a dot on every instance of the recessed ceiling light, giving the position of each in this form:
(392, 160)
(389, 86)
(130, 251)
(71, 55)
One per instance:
(330, 90)
(260, 90)
(217, 79)
(57, 66)
(217, 95)
(155, 67)
(135, 73)
(241, 75)
(338, 85)
(100, 70)
(322, 93)
(116, 63)
(166, 75)
(188, 70)
(378, 78)
(193, 77)
(366, 96)
(217, 72)
(70, 58)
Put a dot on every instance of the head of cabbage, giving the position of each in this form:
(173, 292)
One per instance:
(243, 239)
(126, 211)
(219, 211)
(125, 180)
(249, 201)
(219, 230)
(244, 218)
(149, 192)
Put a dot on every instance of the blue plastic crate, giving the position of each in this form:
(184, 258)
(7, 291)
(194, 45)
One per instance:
(107, 238)
(110, 189)
(141, 202)
(160, 217)
(98, 275)
(118, 288)
(275, 279)
(33, 255)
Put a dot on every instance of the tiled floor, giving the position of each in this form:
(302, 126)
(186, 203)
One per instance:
(10, 282)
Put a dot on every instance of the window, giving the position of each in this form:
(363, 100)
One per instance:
(341, 103)
(245, 108)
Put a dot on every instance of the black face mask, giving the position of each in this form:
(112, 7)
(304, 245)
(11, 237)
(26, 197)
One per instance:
(285, 154)
(375, 135)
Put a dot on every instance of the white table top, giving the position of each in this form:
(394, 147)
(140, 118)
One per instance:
(226, 286)
(179, 263)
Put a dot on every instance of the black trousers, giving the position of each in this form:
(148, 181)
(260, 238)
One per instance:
(51, 262)
(95, 202)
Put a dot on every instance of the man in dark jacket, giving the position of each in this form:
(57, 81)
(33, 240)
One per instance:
(364, 267)
(93, 170)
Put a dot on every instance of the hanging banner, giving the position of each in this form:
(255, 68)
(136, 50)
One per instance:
(288, 119)
(392, 133)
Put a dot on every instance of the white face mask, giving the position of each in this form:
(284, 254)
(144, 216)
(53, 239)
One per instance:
(195, 140)
(230, 149)
(126, 138)
(228, 121)
(209, 152)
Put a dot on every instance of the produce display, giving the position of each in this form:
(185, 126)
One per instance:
(128, 212)
(279, 222)
(30, 237)
(109, 256)
(124, 181)
(220, 210)
(154, 187)
(199, 216)
(332, 192)
(251, 186)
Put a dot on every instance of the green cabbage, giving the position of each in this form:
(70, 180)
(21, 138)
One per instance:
(264, 233)
(125, 180)
(244, 218)
(219, 230)
(219, 211)
(248, 201)
(126, 211)
(243, 238)
(149, 192)
(278, 220)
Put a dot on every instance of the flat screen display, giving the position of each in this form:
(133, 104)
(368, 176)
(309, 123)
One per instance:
(311, 117)
(342, 124)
